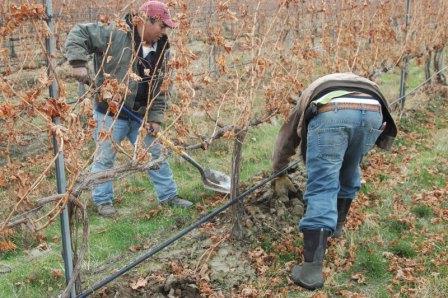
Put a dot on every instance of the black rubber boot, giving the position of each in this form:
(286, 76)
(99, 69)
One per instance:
(343, 208)
(309, 274)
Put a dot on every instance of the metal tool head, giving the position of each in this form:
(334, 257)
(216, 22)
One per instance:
(216, 181)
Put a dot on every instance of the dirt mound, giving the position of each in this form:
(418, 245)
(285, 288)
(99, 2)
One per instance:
(264, 210)
(208, 261)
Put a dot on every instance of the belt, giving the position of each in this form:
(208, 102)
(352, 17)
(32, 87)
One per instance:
(348, 106)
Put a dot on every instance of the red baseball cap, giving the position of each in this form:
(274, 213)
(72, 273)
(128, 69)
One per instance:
(159, 10)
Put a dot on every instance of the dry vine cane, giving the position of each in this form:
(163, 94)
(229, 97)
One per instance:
(282, 46)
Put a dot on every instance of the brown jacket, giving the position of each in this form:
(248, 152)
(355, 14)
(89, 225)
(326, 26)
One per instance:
(294, 130)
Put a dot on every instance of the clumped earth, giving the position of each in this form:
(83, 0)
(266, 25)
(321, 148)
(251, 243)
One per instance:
(209, 261)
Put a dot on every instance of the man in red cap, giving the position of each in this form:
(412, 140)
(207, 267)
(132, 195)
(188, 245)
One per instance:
(141, 49)
(159, 19)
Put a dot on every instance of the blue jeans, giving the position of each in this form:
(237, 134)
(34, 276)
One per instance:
(336, 143)
(105, 157)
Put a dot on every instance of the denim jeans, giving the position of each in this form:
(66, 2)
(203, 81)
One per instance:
(336, 143)
(105, 157)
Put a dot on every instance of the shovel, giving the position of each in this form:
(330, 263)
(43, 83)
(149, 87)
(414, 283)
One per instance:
(212, 179)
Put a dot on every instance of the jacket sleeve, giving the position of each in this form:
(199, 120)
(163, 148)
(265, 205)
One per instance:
(86, 39)
(160, 102)
(287, 142)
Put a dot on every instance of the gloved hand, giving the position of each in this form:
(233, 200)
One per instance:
(81, 74)
(282, 185)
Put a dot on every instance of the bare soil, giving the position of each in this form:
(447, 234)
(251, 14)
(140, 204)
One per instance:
(209, 259)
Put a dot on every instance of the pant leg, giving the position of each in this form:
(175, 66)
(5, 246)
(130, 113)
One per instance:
(105, 154)
(327, 141)
(350, 176)
(162, 179)
(363, 139)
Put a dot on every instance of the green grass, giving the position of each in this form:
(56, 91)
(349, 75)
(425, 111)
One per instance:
(390, 82)
(286, 257)
(34, 281)
(371, 263)
(404, 249)
(397, 227)
(266, 245)
(422, 211)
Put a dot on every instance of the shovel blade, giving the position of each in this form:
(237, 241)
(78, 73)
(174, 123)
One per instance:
(216, 181)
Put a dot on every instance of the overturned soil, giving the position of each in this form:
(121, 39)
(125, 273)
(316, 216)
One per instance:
(210, 261)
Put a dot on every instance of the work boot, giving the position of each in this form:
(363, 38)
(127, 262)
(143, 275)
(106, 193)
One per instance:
(309, 275)
(106, 210)
(343, 207)
(177, 202)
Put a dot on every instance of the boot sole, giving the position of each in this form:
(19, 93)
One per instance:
(309, 287)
